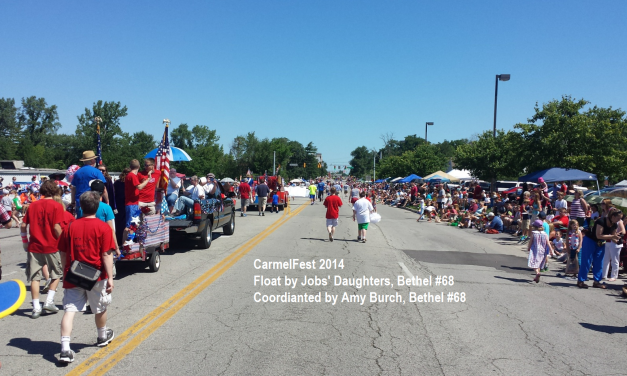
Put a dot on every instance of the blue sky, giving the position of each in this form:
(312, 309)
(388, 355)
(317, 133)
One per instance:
(337, 73)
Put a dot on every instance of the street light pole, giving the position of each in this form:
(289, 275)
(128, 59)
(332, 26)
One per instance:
(501, 77)
(427, 124)
(274, 164)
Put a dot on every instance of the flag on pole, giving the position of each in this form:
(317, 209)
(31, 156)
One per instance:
(163, 160)
(99, 146)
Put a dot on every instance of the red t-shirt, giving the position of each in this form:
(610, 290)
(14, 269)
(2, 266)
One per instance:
(91, 238)
(413, 191)
(131, 193)
(148, 193)
(41, 217)
(244, 191)
(563, 219)
(333, 203)
(67, 219)
(477, 192)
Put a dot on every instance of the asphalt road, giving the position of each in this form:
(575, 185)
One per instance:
(198, 314)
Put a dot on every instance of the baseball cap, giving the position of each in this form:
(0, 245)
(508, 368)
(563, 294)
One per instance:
(210, 175)
(537, 223)
(542, 215)
(491, 214)
(97, 185)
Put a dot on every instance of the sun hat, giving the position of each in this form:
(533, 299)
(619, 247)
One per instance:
(203, 181)
(88, 156)
(537, 223)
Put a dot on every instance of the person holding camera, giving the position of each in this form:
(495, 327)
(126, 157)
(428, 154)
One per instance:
(593, 248)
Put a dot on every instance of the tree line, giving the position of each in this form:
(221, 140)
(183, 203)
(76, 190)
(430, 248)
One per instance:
(566, 132)
(29, 132)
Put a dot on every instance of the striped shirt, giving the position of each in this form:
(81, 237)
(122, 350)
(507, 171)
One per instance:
(576, 209)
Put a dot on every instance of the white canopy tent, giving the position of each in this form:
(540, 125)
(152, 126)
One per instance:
(461, 174)
(622, 184)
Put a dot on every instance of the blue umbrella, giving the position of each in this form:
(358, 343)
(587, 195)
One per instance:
(176, 155)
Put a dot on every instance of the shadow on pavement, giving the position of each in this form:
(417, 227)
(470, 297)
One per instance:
(334, 239)
(605, 328)
(518, 280)
(47, 349)
(506, 263)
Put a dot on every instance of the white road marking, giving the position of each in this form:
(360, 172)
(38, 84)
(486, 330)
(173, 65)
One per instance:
(9, 273)
(406, 270)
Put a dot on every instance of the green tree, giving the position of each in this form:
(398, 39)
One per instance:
(10, 128)
(423, 160)
(38, 119)
(564, 134)
(490, 157)
(361, 161)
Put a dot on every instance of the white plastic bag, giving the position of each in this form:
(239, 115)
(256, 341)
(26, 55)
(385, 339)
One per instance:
(375, 218)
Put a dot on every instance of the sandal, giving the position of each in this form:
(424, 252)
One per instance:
(611, 280)
(537, 279)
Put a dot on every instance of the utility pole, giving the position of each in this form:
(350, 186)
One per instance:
(374, 167)
(274, 164)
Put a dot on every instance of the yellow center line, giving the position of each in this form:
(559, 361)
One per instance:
(141, 330)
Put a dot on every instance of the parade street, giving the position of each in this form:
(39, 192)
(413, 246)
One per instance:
(227, 310)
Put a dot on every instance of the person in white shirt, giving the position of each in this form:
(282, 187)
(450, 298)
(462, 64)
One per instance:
(186, 201)
(361, 213)
(560, 202)
(174, 185)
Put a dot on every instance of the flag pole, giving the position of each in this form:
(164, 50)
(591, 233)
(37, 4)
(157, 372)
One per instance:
(98, 119)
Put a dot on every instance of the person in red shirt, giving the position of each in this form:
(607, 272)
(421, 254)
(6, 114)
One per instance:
(244, 196)
(132, 186)
(333, 203)
(477, 192)
(42, 220)
(560, 221)
(147, 194)
(91, 241)
(413, 192)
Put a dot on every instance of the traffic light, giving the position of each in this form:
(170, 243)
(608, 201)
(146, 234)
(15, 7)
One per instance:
(319, 165)
(304, 165)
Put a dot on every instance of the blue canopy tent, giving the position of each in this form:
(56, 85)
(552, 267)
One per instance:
(554, 174)
(409, 178)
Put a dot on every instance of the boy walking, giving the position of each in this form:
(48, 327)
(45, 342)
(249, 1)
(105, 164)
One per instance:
(333, 202)
(42, 220)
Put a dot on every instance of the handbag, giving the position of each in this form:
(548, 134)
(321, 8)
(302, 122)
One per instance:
(81, 274)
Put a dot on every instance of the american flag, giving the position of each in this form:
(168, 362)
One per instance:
(163, 160)
(99, 147)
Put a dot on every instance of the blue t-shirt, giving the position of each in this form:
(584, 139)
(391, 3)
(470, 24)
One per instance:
(545, 227)
(321, 186)
(81, 180)
(275, 199)
(497, 224)
(104, 212)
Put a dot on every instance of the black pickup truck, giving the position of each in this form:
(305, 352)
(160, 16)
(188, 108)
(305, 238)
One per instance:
(208, 215)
